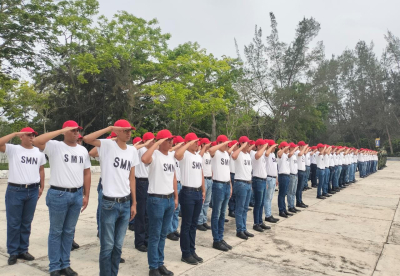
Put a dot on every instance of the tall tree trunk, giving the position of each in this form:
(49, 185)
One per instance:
(214, 128)
(390, 140)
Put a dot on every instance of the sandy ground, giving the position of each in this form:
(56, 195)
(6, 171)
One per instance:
(355, 232)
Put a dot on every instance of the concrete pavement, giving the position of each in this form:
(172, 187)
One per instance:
(355, 232)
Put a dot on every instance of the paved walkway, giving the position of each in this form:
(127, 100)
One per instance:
(356, 232)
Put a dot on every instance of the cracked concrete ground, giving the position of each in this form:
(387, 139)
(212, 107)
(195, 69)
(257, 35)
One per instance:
(355, 232)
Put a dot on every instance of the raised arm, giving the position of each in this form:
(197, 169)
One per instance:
(204, 149)
(5, 139)
(179, 153)
(232, 148)
(270, 149)
(235, 155)
(41, 140)
(147, 156)
(281, 151)
(213, 149)
(260, 152)
(292, 151)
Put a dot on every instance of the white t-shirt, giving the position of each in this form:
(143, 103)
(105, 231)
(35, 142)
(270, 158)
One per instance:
(259, 166)
(301, 161)
(220, 166)
(24, 164)
(243, 167)
(231, 164)
(293, 164)
(161, 173)
(272, 166)
(308, 159)
(331, 160)
(141, 170)
(314, 157)
(361, 157)
(341, 157)
(321, 162)
(335, 159)
(191, 170)
(116, 165)
(177, 170)
(207, 171)
(326, 160)
(283, 164)
(66, 164)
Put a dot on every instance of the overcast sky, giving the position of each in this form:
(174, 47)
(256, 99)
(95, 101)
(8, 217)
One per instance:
(215, 23)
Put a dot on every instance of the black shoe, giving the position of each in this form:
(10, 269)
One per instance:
(337, 190)
(226, 220)
(154, 272)
(248, 234)
(190, 260)
(231, 214)
(220, 246)
(275, 218)
(164, 271)
(75, 245)
(332, 192)
(226, 245)
(122, 261)
(321, 197)
(326, 195)
(292, 210)
(200, 260)
(297, 210)
(288, 214)
(208, 227)
(26, 256)
(55, 273)
(172, 237)
(142, 248)
(12, 259)
(271, 219)
(258, 228)
(299, 205)
(201, 227)
(68, 272)
(131, 227)
(303, 205)
(282, 214)
(241, 235)
(177, 234)
(265, 227)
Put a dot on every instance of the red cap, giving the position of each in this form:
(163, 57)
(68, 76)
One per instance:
(123, 123)
(113, 134)
(108, 137)
(260, 142)
(214, 143)
(251, 142)
(148, 136)
(283, 145)
(71, 123)
(271, 142)
(222, 138)
(320, 145)
(165, 133)
(136, 139)
(190, 137)
(80, 136)
(244, 139)
(178, 139)
(204, 141)
(28, 129)
(292, 145)
(301, 143)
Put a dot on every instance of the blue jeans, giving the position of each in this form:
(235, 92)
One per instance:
(283, 180)
(321, 180)
(191, 204)
(203, 214)
(268, 195)
(99, 197)
(331, 174)
(342, 179)
(313, 173)
(300, 186)
(160, 211)
(175, 216)
(335, 180)
(20, 208)
(351, 172)
(346, 176)
(64, 210)
(292, 189)
(259, 189)
(326, 182)
(141, 218)
(242, 192)
(114, 220)
(308, 169)
(231, 203)
(220, 198)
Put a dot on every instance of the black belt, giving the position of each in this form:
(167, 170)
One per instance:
(208, 177)
(259, 178)
(293, 174)
(285, 174)
(118, 199)
(331, 167)
(320, 169)
(248, 182)
(142, 179)
(222, 182)
(302, 171)
(71, 190)
(26, 186)
(271, 176)
(162, 196)
(191, 189)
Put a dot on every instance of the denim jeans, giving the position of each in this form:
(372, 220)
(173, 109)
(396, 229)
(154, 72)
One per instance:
(326, 181)
(308, 169)
(242, 192)
(64, 210)
(351, 172)
(259, 189)
(342, 179)
(114, 220)
(268, 195)
(321, 180)
(300, 186)
(99, 197)
(191, 204)
(160, 211)
(331, 174)
(141, 218)
(220, 197)
(359, 166)
(231, 203)
(20, 208)
(252, 199)
(313, 171)
(283, 180)
(335, 180)
(175, 216)
(203, 214)
(346, 176)
(292, 189)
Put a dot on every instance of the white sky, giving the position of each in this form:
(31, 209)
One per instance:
(215, 23)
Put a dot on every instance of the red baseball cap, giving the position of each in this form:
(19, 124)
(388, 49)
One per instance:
(123, 123)
(190, 137)
(165, 133)
(271, 142)
(113, 134)
(136, 139)
(251, 142)
(148, 136)
(244, 139)
(71, 123)
(260, 142)
(204, 141)
(28, 129)
(320, 145)
(178, 139)
(283, 145)
(301, 143)
(214, 143)
(80, 136)
(108, 137)
(292, 145)
(222, 138)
